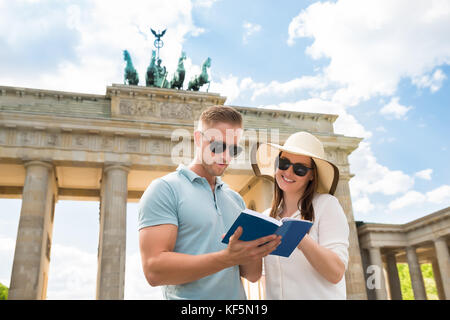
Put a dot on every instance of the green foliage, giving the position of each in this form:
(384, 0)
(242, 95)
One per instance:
(428, 278)
(405, 281)
(3, 292)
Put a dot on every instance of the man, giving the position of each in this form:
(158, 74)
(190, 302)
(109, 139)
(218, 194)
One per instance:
(183, 216)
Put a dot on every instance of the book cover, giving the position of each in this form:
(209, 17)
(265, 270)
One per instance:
(256, 225)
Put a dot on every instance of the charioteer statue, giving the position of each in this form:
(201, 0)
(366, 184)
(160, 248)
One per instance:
(156, 74)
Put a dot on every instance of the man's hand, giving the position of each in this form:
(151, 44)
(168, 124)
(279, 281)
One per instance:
(241, 252)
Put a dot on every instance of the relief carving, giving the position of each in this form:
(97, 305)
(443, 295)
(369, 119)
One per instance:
(79, 141)
(137, 108)
(155, 147)
(176, 111)
(51, 140)
(133, 145)
(28, 138)
(107, 143)
(331, 156)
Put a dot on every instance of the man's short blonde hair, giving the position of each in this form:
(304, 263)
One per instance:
(215, 114)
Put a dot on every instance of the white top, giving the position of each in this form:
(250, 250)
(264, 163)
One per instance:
(294, 278)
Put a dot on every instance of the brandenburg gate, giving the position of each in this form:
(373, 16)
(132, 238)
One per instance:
(72, 146)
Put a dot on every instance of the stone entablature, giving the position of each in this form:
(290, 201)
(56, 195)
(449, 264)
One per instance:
(130, 128)
(415, 232)
(154, 105)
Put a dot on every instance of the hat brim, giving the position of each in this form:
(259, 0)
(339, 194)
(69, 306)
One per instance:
(264, 157)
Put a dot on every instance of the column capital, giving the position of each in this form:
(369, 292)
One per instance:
(412, 247)
(440, 238)
(43, 163)
(114, 166)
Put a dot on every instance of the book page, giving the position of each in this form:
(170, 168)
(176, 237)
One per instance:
(294, 219)
(262, 216)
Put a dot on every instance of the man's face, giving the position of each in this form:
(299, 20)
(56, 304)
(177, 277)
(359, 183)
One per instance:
(214, 143)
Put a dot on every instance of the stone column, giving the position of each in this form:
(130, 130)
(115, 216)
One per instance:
(438, 279)
(376, 260)
(264, 194)
(112, 238)
(443, 259)
(32, 254)
(366, 263)
(354, 275)
(394, 280)
(415, 274)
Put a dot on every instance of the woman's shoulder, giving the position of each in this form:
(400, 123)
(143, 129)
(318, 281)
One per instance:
(324, 198)
(323, 202)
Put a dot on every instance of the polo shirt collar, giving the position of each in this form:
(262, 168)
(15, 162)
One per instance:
(191, 175)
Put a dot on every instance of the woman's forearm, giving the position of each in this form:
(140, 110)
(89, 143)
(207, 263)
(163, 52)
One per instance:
(251, 271)
(323, 260)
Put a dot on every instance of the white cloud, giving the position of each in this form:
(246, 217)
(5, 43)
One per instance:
(363, 205)
(72, 274)
(136, 286)
(228, 87)
(102, 32)
(424, 174)
(7, 246)
(395, 109)
(371, 45)
(284, 88)
(205, 3)
(373, 177)
(381, 129)
(440, 195)
(408, 199)
(434, 81)
(249, 30)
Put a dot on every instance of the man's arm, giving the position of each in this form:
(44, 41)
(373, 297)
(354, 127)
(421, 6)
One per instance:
(162, 266)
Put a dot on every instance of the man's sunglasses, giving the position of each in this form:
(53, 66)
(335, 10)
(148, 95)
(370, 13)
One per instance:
(299, 169)
(218, 147)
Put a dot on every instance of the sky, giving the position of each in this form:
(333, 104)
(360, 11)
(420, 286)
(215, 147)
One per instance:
(383, 66)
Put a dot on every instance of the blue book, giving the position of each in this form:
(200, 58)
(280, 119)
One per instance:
(256, 225)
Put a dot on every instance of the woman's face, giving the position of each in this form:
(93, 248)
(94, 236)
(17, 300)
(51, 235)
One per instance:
(287, 180)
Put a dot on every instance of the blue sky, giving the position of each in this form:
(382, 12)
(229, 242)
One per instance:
(382, 66)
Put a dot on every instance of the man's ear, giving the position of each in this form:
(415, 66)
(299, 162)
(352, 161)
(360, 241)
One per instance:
(197, 138)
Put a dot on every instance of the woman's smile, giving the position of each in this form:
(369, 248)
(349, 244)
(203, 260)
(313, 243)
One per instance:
(285, 179)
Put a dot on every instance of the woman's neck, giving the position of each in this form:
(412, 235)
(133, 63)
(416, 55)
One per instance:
(290, 203)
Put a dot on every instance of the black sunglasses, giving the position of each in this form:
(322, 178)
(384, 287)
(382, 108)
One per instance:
(299, 169)
(218, 147)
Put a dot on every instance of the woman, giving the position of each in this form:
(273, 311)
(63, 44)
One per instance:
(304, 186)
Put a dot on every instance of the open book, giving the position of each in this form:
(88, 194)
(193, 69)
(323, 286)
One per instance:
(256, 225)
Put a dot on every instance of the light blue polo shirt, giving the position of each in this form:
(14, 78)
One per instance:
(185, 199)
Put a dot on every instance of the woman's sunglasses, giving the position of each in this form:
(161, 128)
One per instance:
(299, 169)
(218, 147)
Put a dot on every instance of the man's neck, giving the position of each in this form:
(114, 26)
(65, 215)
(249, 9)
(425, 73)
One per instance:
(200, 170)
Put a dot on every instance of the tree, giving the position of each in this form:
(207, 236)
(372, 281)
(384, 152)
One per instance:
(3, 292)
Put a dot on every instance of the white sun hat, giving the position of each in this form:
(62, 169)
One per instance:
(300, 143)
